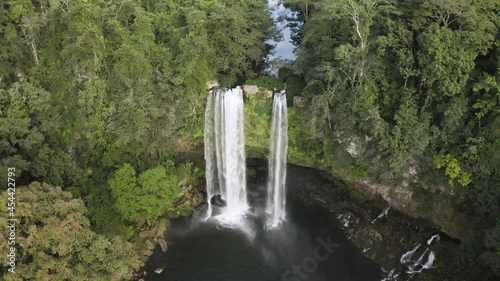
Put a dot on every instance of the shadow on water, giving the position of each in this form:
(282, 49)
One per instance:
(309, 246)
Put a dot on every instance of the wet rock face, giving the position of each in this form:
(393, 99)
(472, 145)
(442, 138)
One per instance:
(213, 84)
(251, 89)
(196, 195)
(217, 201)
(146, 254)
(367, 236)
(417, 203)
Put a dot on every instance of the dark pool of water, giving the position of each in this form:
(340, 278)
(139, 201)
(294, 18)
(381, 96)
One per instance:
(309, 246)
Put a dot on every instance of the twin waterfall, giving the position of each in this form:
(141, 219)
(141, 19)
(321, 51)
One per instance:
(225, 152)
(276, 198)
(226, 162)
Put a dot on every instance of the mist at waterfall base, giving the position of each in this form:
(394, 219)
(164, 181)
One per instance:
(203, 250)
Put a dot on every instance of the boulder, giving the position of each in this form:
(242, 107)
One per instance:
(163, 245)
(197, 200)
(147, 253)
(150, 245)
(212, 84)
(217, 201)
(145, 234)
(159, 270)
(251, 89)
(187, 188)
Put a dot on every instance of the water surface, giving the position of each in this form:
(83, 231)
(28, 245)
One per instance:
(207, 251)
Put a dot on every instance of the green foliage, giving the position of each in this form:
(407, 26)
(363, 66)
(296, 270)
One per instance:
(258, 121)
(89, 86)
(490, 103)
(397, 76)
(123, 81)
(453, 170)
(408, 138)
(303, 146)
(55, 241)
(445, 64)
(357, 171)
(29, 126)
(104, 216)
(413, 86)
(149, 195)
(267, 82)
(124, 187)
(227, 81)
(189, 174)
(294, 83)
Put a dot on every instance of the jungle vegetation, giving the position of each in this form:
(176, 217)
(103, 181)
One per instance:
(99, 99)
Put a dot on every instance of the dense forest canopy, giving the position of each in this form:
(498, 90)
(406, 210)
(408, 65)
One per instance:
(98, 97)
(411, 90)
(118, 79)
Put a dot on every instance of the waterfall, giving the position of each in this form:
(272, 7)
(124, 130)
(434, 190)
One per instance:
(277, 161)
(225, 151)
(209, 138)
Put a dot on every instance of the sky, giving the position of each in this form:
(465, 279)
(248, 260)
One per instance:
(284, 49)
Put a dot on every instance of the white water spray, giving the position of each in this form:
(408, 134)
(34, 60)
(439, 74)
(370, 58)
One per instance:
(434, 237)
(276, 196)
(384, 213)
(423, 262)
(406, 257)
(210, 159)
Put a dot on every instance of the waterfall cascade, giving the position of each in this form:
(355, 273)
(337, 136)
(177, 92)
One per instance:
(225, 156)
(424, 261)
(210, 158)
(225, 152)
(277, 161)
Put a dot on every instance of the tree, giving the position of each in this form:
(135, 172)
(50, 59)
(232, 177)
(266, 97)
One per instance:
(407, 89)
(29, 126)
(54, 240)
(150, 195)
